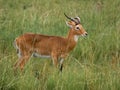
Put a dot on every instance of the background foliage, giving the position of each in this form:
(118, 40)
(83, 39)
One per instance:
(93, 65)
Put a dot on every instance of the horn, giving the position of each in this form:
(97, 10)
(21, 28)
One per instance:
(78, 19)
(69, 17)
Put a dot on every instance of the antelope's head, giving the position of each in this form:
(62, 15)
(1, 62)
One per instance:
(76, 26)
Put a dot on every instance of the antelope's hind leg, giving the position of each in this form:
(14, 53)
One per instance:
(23, 58)
(19, 59)
(23, 61)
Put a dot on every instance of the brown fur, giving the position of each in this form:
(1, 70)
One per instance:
(54, 46)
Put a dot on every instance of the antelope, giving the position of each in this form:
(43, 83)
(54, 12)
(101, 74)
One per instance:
(55, 47)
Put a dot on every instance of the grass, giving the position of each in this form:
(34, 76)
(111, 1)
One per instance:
(93, 65)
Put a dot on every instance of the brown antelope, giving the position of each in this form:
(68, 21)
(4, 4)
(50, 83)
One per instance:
(56, 47)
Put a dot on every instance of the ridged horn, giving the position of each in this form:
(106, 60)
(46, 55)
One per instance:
(78, 19)
(69, 17)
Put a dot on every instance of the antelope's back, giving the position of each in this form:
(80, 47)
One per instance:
(38, 42)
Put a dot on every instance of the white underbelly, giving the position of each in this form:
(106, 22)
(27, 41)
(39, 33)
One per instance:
(40, 56)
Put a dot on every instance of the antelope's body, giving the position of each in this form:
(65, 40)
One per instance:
(56, 47)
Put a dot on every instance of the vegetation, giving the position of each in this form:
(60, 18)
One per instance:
(93, 65)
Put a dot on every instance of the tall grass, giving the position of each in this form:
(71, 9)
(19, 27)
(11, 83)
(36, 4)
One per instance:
(93, 65)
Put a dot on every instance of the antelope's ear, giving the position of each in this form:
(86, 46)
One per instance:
(69, 24)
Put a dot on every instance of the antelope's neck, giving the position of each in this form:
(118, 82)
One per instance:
(72, 37)
(72, 40)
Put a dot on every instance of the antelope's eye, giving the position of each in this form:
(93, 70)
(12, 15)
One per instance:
(77, 28)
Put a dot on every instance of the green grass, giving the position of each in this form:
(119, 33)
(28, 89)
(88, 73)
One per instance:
(93, 65)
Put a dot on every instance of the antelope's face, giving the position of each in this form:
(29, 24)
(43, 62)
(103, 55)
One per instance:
(77, 29)
(76, 26)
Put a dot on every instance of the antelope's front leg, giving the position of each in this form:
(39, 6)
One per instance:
(63, 56)
(55, 60)
(61, 64)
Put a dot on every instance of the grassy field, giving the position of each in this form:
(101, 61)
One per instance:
(93, 65)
